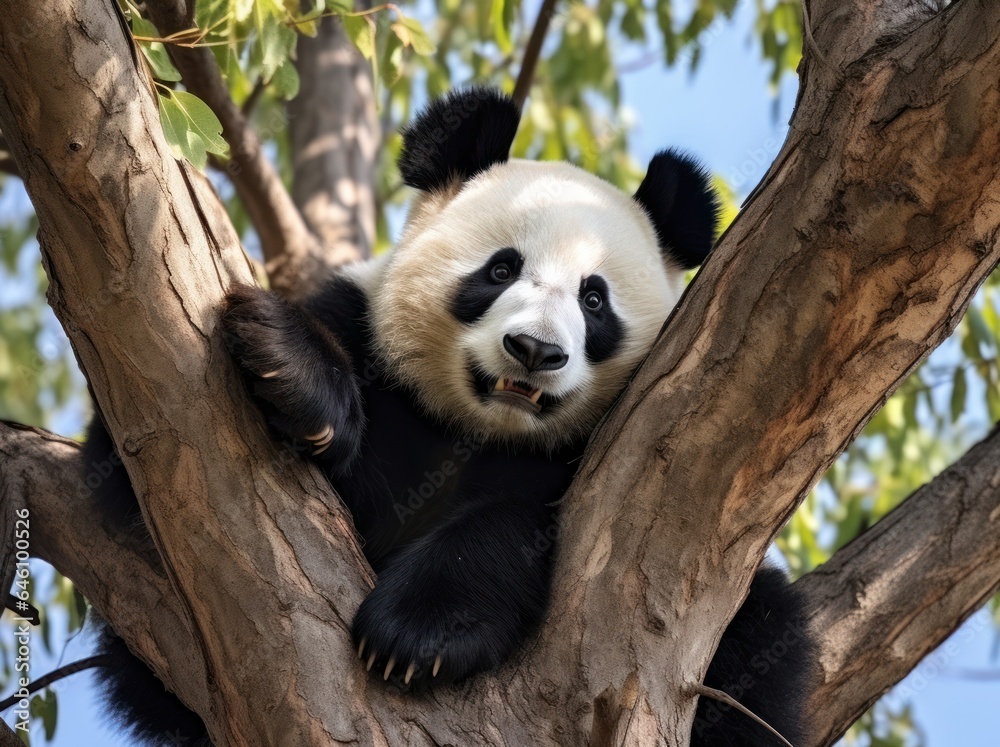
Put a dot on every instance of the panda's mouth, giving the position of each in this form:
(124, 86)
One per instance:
(513, 392)
(517, 393)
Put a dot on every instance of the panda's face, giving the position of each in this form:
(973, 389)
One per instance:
(517, 308)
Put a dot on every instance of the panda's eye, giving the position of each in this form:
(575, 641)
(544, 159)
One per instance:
(501, 273)
(593, 301)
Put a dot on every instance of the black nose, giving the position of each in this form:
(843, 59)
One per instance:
(535, 354)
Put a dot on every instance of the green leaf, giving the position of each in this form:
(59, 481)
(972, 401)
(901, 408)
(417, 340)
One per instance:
(155, 52)
(391, 64)
(959, 389)
(361, 32)
(275, 44)
(412, 34)
(46, 708)
(285, 81)
(501, 25)
(191, 128)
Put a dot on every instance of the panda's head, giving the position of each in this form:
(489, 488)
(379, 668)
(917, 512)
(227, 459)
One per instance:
(523, 294)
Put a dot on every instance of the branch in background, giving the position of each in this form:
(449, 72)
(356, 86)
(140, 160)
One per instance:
(533, 51)
(886, 600)
(55, 675)
(292, 254)
(43, 473)
(335, 133)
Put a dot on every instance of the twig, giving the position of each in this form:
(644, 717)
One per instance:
(807, 34)
(254, 97)
(533, 51)
(101, 660)
(722, 697)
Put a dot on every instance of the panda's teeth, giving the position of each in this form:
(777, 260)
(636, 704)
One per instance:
(536, 396)
(500, 385)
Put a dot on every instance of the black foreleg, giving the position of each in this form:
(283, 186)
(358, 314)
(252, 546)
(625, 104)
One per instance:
(462, 598)
(765, 661)
(298, 374)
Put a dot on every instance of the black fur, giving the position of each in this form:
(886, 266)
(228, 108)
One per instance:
(458, 136)
(479, 290)
(765, 662)
(678, 197)
(604, 329)
(138, 701)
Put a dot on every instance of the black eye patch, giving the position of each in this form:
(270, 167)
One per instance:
(605, 331)
(478, 290)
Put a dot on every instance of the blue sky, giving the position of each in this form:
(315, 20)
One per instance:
(724, 115)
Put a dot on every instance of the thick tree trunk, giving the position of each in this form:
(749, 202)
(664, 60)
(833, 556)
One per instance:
(856, 257)
(334, 131)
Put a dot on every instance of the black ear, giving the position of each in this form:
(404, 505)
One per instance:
(678, 196)
(458, 136)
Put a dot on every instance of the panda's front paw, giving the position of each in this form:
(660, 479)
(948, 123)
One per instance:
(296, 372)
(418, 638)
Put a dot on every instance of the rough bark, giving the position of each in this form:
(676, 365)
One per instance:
(857, 256)
(334, 133)
(44, 473)
(117, 213)
(892, 595)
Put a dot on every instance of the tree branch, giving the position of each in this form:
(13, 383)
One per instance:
(43, 473)
(334, 131)
(532, 52)
(895, 593)
(57, 674)
(293, 255)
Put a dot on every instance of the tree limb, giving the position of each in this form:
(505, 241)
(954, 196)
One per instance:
(334, 133)
(532, 52)
(43, 473)
(895, 593)
(293, 255)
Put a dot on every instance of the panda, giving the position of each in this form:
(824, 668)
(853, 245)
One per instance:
(448, 389)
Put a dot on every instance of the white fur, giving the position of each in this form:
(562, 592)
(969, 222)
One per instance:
(568, 225)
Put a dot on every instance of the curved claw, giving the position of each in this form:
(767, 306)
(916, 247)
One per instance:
(270, 374)
(437, 666)
(409, 672)
(371, 660)
(361, 648)
(327, 431)
(388, 667)
(327, 439)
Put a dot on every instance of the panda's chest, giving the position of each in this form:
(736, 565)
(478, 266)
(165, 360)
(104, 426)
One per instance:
(413, 472)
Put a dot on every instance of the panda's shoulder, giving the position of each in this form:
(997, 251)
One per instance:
(342, 303)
